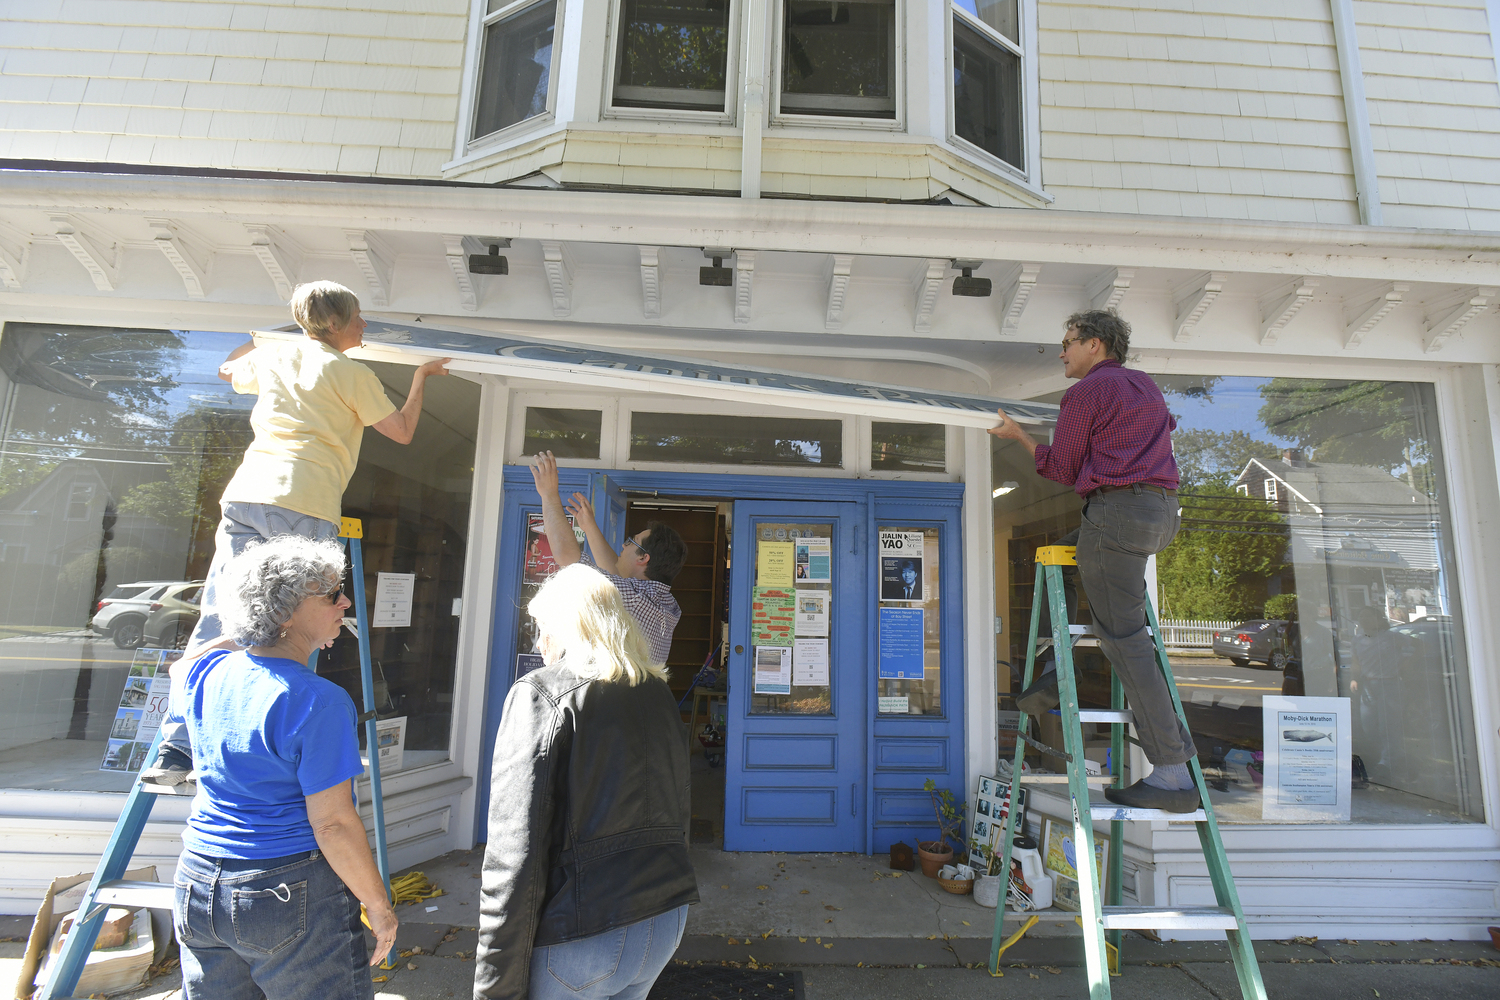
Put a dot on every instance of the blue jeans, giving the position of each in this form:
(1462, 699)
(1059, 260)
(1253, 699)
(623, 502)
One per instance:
(242, 524)
(273, 928)
(621, 964)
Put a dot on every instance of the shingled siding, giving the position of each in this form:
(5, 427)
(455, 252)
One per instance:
(1434, 111)
(1198, 107)
(364, 87)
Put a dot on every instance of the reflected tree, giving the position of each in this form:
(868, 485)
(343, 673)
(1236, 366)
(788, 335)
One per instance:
(1228, 547)
(1380, 424)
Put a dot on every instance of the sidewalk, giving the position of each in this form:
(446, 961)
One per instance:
(855, 929)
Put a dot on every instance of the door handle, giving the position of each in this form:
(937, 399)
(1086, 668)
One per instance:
(853, 798)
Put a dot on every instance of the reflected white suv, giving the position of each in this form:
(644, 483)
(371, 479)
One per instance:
(122, 615)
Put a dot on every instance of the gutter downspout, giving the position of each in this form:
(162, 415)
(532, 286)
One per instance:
(753, 115)
(1356, 114)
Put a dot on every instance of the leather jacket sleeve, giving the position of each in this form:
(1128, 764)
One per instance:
(523, 804)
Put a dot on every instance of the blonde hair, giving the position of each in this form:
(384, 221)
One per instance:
(584, 614)
(320, 305)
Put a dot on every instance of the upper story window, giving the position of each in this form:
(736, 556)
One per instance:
(839, 58)
(987, 59)
(516, 65)
(672, 55)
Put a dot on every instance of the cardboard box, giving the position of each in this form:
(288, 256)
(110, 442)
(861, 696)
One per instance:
(105, 971)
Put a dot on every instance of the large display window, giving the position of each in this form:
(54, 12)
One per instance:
(1315, 560)
(115, 446)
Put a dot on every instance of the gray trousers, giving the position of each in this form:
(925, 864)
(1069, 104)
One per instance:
(1120, 530)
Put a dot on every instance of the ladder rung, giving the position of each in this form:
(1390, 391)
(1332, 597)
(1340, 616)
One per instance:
(155, 895)
(1110, 715)
(1061, 779)
(1100, 811)
(184, 788)
(1123, 918)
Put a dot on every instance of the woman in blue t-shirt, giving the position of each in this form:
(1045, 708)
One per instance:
(277, 864)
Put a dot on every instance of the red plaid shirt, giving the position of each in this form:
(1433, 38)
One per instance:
(651, 601)
(1113, 429)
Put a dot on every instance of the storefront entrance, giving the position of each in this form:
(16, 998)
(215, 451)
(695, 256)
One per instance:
(843, 666)
(795, 772)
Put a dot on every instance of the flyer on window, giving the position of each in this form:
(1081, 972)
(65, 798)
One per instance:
(812, 614)
(810, 662)
(814, 560)
(773, 564)
(772, 616)
(390, 740)
(773, 670)
(1308, 761)
(901, 566)
(143, 704)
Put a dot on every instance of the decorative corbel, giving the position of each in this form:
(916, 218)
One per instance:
(374, 260)
(180, 250)
(1193, 301)
(1441, 324)
(100, 257)
(650, 282)
(840, 265)
(1017, 296)
(456, 250)
(927, 283)
(1108, 290)
(1277, 310)
(1359, 320)
(278, 254)
(744, 279)
(558, 263)
(14, 250)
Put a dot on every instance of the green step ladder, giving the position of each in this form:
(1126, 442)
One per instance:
(108, 888)
(1102, 924)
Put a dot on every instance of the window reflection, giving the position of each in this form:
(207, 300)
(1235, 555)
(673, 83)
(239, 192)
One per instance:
(672, 54)
(734, 440)
(516, 72)
(1315, 558)
(115, 446)
(839, 58)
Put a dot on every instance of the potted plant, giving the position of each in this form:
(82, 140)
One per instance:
(934, 854)
(987, 880)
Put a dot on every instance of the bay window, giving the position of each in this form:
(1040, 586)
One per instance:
(672, 54)
(987, 58)
(516, 64)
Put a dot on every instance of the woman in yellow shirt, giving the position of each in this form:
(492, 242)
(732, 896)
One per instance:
(309, 421)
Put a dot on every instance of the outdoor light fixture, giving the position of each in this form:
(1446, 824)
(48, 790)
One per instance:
(718, 275)
(492, 262)
(966, 283)
(1008, 486)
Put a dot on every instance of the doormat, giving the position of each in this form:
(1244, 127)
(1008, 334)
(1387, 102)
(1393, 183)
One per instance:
(718, 982)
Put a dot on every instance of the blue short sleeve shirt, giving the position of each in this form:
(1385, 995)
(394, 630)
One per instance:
(266, 733)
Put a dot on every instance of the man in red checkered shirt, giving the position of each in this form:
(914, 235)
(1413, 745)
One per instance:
(643, 569)
(1113, 445)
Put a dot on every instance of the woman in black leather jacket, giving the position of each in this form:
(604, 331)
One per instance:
(586, 874)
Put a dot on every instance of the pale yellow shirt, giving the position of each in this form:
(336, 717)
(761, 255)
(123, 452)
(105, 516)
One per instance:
(314, 406)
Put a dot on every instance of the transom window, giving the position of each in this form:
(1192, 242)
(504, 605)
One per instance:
(839, 58)
(516, 65)
(672, 54)
(987, 58)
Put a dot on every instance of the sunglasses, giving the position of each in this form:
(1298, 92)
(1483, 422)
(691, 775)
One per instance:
(1073, 340)
(334, 595)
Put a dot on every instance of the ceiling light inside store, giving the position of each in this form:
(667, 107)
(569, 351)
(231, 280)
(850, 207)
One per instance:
(1008, 486)
(492, 262)
(966, 283)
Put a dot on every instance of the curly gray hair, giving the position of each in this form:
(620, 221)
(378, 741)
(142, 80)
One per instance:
(265, 583)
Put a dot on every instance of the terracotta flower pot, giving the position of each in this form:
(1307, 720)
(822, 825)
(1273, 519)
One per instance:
(933, 855)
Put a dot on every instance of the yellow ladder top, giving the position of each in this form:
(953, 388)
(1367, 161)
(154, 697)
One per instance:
(351, 527)
(1057, 555)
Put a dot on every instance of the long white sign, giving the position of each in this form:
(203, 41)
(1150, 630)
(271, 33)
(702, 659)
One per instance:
(502, 354)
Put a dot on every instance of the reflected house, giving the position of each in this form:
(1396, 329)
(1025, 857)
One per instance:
(57, 535)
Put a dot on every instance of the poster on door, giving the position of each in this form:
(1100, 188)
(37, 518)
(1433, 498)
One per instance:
(1308, 763)
(901, 566)
(814, 560)
(143, 704)
(772, 616)
(812, 614)
(773, 670)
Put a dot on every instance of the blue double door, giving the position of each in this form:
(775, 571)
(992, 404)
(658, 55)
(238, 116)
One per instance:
(800, 704)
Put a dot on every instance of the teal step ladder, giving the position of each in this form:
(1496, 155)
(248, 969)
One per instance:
(108, 887)
(1102, 924)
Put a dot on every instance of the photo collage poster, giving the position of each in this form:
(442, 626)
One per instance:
(987, 818)
(143, 703)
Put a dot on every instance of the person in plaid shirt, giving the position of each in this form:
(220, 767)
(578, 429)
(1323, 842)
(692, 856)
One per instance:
(1113, 445)
(643, 569)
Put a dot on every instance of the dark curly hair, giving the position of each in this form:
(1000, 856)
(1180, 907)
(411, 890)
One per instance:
(667, 551)
(1104, 325)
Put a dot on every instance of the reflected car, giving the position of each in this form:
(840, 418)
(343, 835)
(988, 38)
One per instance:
(1258, 640)
(174, 615)
(122, 615)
